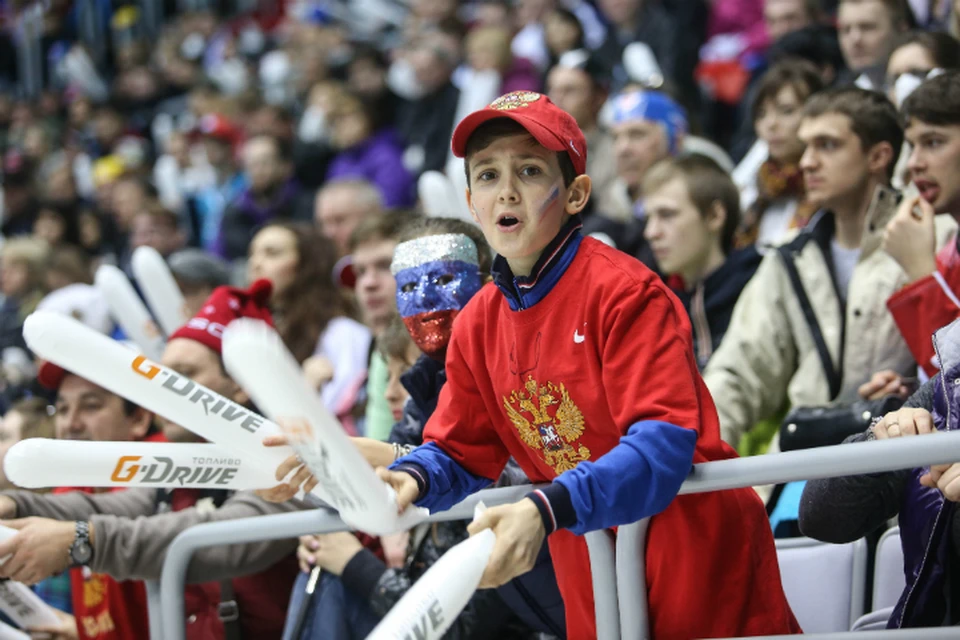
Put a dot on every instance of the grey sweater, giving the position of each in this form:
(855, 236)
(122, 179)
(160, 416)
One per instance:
(131, 540)
(844, 509)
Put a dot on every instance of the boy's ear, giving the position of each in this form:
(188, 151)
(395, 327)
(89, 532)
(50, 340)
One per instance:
(879, 157)
(578, 194)
(473, 212)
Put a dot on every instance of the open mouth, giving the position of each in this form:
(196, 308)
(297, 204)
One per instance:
(506, 222)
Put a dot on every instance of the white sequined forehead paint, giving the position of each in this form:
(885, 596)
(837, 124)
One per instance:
(445, 247)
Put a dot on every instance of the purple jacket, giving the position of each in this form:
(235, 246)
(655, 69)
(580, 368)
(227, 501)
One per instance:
(378, 159)
(925, 515)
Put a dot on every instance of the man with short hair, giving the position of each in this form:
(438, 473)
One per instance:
(576, 85)
(271, 194)
(342, 205)
(867, 30)
(158, 228)
(827, 287)
(371, 250)
(930, 300)
(786, 16)
(130, 531)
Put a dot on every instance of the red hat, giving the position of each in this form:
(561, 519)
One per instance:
(225, 305)
(216, 126)
(550, 125)
(50, 375)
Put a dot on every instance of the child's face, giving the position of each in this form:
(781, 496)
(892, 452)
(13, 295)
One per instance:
(431, 293)
(396, 394)
(518, 198)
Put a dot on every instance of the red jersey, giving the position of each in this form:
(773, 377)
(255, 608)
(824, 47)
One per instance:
(922, 307)
(558, 384)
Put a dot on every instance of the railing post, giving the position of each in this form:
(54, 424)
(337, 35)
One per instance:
(632, 580)
(603, 572)
(155, 615)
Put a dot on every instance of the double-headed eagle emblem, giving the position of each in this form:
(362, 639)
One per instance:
(557, 435)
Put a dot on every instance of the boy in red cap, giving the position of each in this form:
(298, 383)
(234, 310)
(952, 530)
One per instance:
(550, 366)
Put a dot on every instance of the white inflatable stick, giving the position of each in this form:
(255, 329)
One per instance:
(108, 364)
(9, 633)
(24, 607)
(438, 195)
(40, 462)
(129, 311)
(159, 288)
(257, 360)
(427, 610)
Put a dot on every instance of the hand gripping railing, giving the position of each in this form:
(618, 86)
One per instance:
(623, 584)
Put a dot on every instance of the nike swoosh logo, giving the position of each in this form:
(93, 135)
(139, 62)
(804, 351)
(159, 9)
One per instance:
(578, 337)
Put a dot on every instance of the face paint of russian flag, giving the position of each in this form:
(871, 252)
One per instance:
(429, 297)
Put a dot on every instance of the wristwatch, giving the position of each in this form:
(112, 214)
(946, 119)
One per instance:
(81, 551)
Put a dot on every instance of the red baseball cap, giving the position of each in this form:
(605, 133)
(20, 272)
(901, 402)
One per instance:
(215, 125)
(50, 375)
(225, 305)
(550, 125)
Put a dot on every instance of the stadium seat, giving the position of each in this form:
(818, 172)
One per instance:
(888, 578)
(824, 583)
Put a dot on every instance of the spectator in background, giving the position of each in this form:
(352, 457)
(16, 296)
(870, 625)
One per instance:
(639, 21)
(179, 173)
(68, 265)
(776, 201)
(371, 248)
(271, 194)
(310, 312)
(22, 265)
(159, 228)
(422, 77)
(108, 128)
(488, 49)
(647, 126)
(368, 153)
(57, 224)
(19, 204)
(786, 16)
(693, 210)
(131, 196)
(576, 85)
(340, 206)
(197, 273)
(917, 53)
(769, 355)
(868, 29)
(562, 32)
(930, 299)
(219, 138)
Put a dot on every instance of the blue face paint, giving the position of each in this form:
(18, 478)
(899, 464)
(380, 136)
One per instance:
(430, 295)
(549, 201)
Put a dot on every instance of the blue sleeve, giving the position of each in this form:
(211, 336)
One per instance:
(636, 479)
(442, 481)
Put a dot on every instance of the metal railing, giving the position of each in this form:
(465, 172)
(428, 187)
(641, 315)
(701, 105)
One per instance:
(619, 590)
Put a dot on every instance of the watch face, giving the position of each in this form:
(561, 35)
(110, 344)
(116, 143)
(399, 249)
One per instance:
(81, 552)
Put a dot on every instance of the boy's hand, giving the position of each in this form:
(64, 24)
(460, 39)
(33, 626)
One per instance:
(520, 533)
(405, 486)
(65, 629)
(946, 478)
(911, 240)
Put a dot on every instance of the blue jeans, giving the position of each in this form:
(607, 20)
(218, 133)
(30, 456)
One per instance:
(333, 612)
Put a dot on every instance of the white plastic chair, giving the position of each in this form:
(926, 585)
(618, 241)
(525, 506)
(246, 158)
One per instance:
(888, 578)
(824, 583)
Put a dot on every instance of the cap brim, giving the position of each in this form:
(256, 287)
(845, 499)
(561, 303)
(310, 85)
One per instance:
(50, 375)
(545, 136)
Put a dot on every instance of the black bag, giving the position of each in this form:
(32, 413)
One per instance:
(807, 427)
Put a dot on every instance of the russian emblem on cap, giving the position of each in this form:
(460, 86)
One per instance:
(514, 100)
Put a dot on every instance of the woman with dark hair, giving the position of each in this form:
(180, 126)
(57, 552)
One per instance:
(309, 311)
(917, 53)
(774, 200)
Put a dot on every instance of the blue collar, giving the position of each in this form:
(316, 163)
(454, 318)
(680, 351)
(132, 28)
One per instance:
(525, 291)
